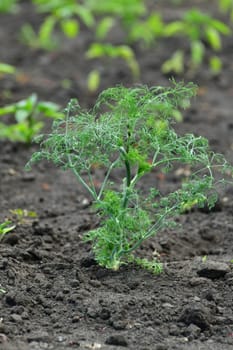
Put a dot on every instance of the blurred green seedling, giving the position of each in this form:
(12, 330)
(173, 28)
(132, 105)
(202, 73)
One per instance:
(226, 6)
(23, 216)
(147, 31)
(27, 114)
(202, 31)
(132, 16)
(124, 52)
(65, 14)
(93, 80)
(6, 227)
(124, 13)
(43, 39)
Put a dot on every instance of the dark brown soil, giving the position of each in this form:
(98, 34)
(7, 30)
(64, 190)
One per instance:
(56, 297)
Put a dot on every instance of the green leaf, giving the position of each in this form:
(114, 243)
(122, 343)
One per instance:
(221, 27)
(70, 27)
(174, 28)
(7, 109)
(21, 115)
(156, 24)
(93, 80)
(7, 68)
(20, 132)
(174, 64)
(104, 27)
(6, 227)
(45, 33)
(197, 52)
(85, 14)
(213, 38)
(215, 64)
(95, 50)
(28, 35)
(49, 109)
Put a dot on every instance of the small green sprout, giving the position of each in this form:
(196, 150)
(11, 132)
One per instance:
(204, 258)
(23, 216)
(132, 129)
(27, 115)
(6, 227)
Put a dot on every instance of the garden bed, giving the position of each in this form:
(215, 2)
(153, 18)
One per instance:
(56, 296)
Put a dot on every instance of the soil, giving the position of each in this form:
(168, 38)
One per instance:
(56, 297)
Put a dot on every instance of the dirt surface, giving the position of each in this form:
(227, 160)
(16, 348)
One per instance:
(55, 296)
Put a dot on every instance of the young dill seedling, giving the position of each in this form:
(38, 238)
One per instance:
(131, 129)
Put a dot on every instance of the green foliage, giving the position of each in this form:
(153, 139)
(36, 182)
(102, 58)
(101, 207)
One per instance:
(131, 129)
(137, 25)
(27, 116)
(153, 266)
(201, 30)
(66, 9)
(98, 50)
(131, 15)
(7, 6)
(128, 11)
(147, 30)
(63, 13)
(6, 227)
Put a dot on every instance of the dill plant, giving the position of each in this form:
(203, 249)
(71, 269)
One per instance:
(131, 129)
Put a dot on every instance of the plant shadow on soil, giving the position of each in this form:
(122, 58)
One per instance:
(56, 297)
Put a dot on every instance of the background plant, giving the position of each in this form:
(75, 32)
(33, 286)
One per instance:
(27, 114)
(124, 52)
(133, 16)
(201, 30)
(137, 24)
(66, 14)
(131, 129)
